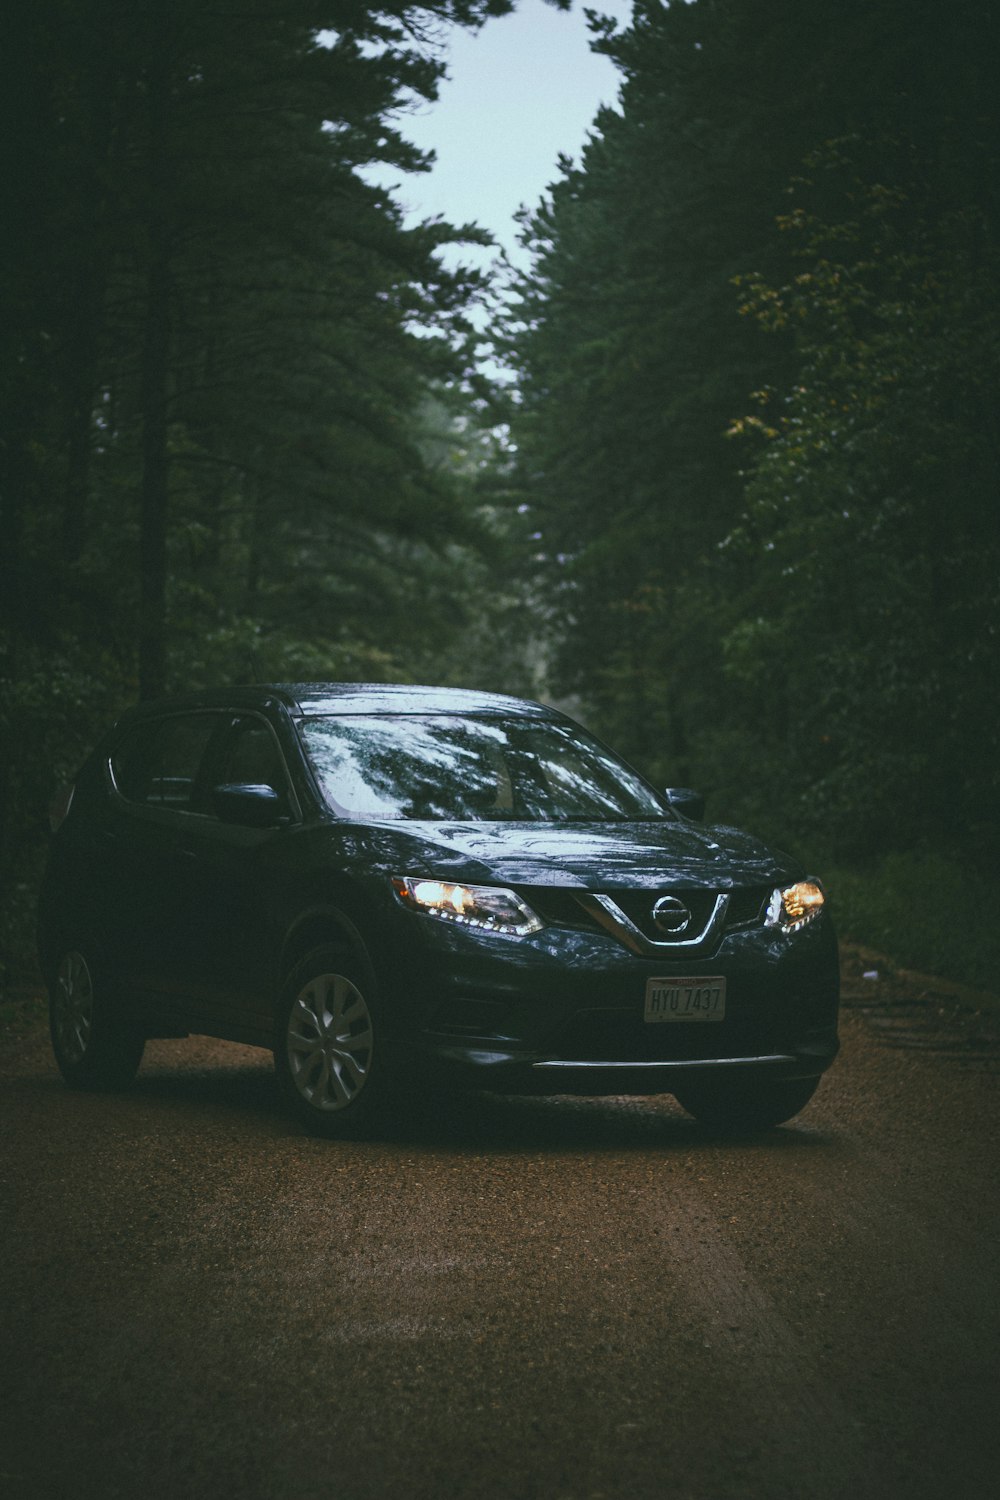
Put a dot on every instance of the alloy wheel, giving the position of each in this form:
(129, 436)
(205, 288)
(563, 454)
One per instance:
(73, 1008)
(329, 1042)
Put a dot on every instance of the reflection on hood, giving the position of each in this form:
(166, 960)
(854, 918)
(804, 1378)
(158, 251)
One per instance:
(586, 856)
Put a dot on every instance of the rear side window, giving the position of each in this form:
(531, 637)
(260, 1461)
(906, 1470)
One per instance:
(157, 763)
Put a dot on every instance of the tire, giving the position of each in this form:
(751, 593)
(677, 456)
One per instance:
(94, 1047)
(744, 1105)
(331, 1052)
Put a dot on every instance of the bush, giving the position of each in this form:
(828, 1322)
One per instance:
(924, 912)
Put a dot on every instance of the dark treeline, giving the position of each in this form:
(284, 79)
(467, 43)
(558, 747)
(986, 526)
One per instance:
(747, 514)
(238, 434)
(758, 354)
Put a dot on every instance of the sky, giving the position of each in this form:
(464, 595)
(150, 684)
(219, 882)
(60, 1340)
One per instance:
(520, 91)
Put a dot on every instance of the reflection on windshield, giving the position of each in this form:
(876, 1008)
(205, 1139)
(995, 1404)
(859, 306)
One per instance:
(452, 768)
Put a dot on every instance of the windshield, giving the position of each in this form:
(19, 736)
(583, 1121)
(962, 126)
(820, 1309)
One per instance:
(455, 768)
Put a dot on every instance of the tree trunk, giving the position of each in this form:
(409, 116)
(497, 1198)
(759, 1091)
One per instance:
(154, 392)
(81, 381)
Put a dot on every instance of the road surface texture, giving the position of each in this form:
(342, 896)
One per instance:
(509, 1299)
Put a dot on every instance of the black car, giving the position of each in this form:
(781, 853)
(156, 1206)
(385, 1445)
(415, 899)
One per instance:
(399, 887)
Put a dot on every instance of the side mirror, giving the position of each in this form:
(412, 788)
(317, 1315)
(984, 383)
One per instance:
(253, 804)
(688, 803)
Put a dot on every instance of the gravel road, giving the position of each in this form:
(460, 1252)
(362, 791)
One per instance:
(540, 1300)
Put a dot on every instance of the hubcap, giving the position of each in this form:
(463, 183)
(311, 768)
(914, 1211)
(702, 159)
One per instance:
(329, 1043)
(73, 1008)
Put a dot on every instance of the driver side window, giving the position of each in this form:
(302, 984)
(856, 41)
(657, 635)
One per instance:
(252, 758)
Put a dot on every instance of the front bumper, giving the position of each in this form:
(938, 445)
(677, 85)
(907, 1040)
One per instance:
(511, 1073)
(563, 1012)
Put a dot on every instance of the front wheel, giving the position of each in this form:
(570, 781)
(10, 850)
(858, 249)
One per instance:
(94, 1047)
(739, 1105)
(330, 1047)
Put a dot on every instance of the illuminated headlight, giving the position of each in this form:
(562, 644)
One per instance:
(795, 905)
(487, 907)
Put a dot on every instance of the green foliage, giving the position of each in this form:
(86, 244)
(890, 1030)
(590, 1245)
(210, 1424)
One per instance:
(741, 508)
(632, 362)
(773, 538)
(218, 349)
(870, 531)
(54, 704)
(916, 909)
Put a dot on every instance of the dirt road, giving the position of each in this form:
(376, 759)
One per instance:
(540, 1300)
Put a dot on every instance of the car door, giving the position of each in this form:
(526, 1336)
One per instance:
(226, 955)
(157, 797)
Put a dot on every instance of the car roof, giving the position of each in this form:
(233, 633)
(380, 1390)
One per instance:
(318, 699)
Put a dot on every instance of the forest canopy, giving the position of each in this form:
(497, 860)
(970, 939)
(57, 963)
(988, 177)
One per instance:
(757, 425)
(738, 509)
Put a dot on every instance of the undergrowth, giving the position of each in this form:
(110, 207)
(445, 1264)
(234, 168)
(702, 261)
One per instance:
(923, 912)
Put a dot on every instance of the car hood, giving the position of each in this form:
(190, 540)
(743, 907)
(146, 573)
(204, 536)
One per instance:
(592, 856)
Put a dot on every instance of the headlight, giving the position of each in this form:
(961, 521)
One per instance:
(795, 905)
(487, 907)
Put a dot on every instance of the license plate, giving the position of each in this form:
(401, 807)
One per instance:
(702, 999)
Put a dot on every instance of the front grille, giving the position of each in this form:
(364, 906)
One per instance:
(562, 906)
(747, 905)
(558, 905)
(638, 907)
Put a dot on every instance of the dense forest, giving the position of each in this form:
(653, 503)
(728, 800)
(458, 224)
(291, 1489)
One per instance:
(737, 506)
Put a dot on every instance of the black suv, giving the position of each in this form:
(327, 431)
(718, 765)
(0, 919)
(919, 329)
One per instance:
(403, 885)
